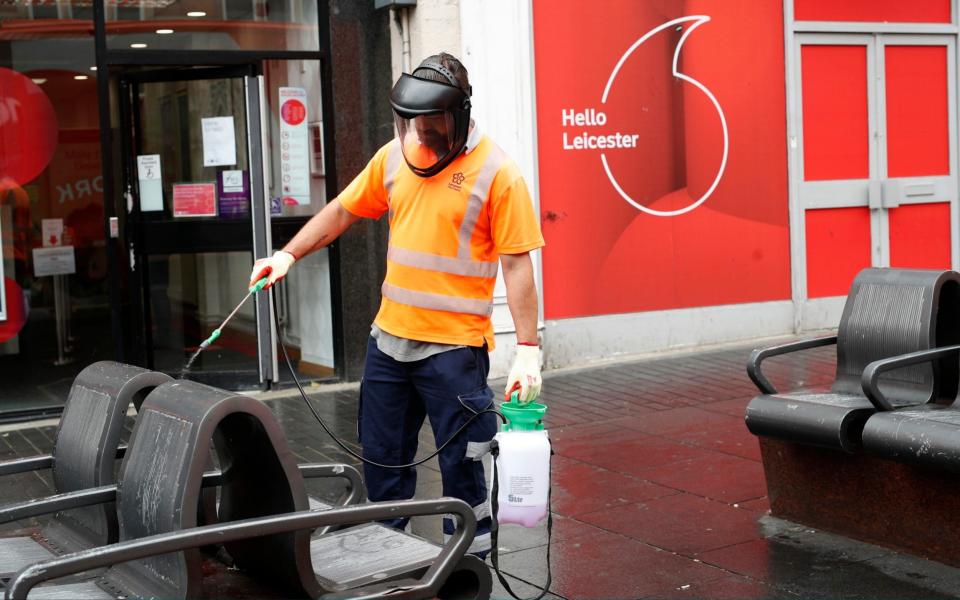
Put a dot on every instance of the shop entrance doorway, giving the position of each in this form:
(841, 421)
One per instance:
(192, 180)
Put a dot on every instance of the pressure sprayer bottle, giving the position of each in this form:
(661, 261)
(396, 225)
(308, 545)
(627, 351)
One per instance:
(523, 464)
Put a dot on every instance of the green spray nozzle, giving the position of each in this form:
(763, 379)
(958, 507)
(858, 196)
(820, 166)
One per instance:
(522, 417)
(258, 285)
(213, 337)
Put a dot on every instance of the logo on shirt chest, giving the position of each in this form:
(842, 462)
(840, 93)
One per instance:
(456, 181)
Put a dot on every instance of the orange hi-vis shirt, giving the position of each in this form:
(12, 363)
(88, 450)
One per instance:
(447, 233)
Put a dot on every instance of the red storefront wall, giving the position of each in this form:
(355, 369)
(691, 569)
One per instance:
(604, 254)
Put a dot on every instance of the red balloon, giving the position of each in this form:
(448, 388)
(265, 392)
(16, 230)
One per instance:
(16, 315)
(28, 127)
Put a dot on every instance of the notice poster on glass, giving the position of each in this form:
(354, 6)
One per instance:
(51, 232)
(233, 194)
(219, 142)
(150, 182)
(294, 146)
(195, 200)
(56, 260)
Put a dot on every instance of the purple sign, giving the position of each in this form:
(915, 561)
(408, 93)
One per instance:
(233, 194)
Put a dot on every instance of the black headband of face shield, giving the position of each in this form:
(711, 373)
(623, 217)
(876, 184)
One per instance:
(439, 68)
(412, 96)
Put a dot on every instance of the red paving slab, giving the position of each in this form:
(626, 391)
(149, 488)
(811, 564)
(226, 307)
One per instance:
(581, 488)
(560, 435)
(610, 566)
(628, 451)
(682, 523)
(733, 439)
(514, 537)
(679, 421)
(719, 476)
(759, 505)
(735, 408)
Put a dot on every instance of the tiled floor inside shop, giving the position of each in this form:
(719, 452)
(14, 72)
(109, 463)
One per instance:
(658, 489)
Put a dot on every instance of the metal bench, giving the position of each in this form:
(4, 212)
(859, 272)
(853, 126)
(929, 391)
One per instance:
(262, 496)
(107, 495)
(928, 434)
(889, 312)
(84, 453)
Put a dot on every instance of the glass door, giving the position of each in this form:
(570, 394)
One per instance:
(193, 184)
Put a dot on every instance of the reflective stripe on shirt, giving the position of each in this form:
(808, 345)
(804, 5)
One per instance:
(444, 264)
(433, 301)
(478, 196)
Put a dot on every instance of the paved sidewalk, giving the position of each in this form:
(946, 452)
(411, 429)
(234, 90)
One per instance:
(658, 490)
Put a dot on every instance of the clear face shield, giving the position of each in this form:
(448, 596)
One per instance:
(426, 140)
(432, 120)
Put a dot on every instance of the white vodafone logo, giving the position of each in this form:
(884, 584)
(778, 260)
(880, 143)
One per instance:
(624, 140)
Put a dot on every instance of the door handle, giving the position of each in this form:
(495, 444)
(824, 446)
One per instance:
(895, 191)
(919, 189)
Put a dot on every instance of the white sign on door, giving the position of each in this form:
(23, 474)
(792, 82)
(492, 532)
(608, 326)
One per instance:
(54, 261)
(294, 146)
(151, 182)
(219, 142)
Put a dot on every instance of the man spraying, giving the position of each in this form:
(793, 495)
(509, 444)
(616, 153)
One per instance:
(457, 205)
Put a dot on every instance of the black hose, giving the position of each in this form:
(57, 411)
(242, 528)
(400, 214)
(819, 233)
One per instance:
(306, 399)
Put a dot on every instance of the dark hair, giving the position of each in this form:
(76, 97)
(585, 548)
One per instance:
(450, 63)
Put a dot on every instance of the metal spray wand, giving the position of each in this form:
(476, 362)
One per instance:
(216, 332)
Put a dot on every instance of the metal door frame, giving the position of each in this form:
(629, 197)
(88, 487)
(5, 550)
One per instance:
(255, 124)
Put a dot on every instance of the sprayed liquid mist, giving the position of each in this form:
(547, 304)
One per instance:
(186, 368)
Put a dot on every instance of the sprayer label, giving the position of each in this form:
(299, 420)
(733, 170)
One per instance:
(520, 486)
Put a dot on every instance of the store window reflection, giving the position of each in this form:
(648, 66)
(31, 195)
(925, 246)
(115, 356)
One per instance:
(213, 25)
(55, 307)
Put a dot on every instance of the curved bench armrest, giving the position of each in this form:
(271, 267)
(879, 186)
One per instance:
(870, 379)
(310, 471)
(758, 356)
(354, 481)
(427, 586)
(58, 502)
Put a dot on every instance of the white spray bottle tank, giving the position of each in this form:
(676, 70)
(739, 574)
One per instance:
(523, 464)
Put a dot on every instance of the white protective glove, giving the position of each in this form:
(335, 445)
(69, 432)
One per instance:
(525, 374)
(275, 267)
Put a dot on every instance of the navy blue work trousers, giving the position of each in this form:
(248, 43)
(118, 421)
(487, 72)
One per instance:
(449, 387)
